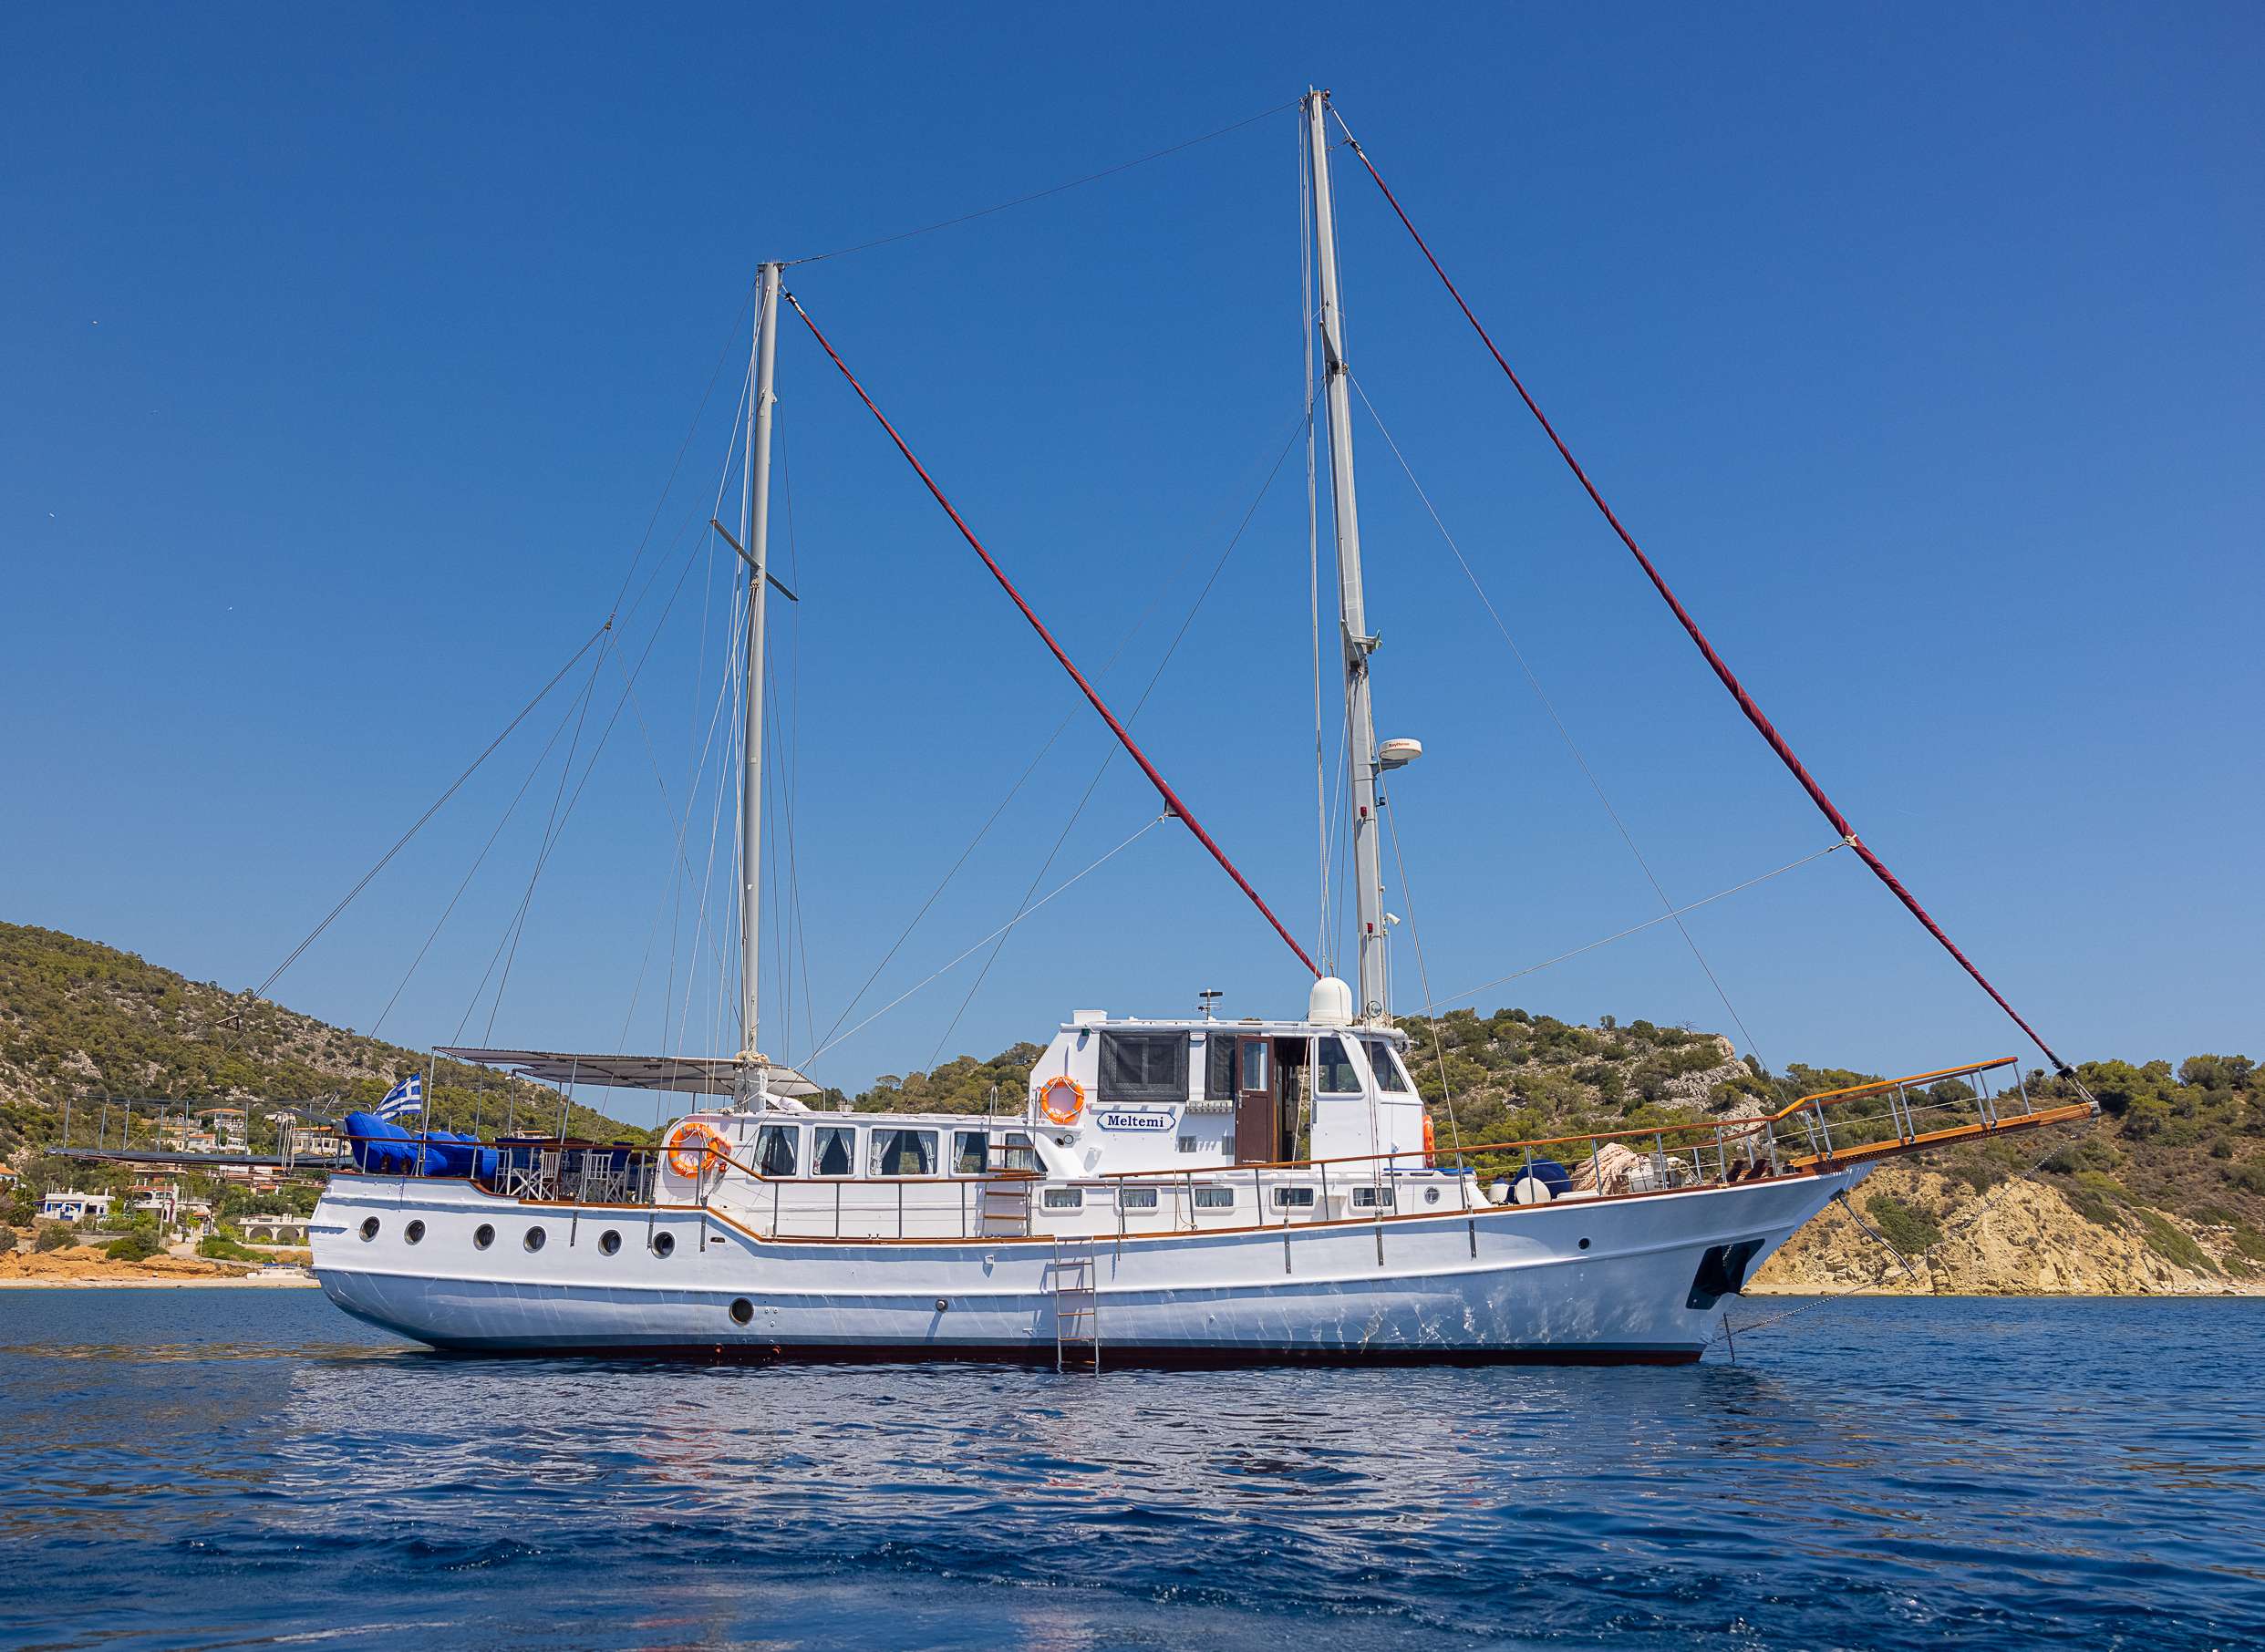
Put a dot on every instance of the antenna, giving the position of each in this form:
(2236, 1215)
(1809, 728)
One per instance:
(1210, 996)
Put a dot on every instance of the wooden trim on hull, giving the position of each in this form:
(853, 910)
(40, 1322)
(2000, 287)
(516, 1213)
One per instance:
(1161, 1357)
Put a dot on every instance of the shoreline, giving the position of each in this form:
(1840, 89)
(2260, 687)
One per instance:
(162, 1282)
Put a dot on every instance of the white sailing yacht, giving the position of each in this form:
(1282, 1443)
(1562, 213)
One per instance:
(1172, 1190)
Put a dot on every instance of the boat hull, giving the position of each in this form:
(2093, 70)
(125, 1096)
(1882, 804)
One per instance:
(1619, 1280)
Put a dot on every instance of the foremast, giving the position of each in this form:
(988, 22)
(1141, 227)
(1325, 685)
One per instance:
(1357, 643)
(755, 537)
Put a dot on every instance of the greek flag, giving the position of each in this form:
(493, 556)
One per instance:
(407, 1097)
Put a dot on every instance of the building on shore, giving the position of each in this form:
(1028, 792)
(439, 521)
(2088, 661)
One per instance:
(284, 1229)
(74, 1207)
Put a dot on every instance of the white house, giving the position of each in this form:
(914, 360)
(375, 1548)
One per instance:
(74, 1207)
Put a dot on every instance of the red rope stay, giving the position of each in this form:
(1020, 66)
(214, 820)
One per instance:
(1163, 787)
(1762, 724)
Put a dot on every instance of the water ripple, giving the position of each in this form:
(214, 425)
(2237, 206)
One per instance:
(223, 1470)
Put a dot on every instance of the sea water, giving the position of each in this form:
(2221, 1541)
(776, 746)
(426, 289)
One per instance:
(239, 1468)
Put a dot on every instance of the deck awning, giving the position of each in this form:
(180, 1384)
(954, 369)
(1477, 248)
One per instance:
(694, 1075)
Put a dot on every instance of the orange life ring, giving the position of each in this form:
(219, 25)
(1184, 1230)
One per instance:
(1051, 1101)
(1427, 1141)
(696, 1139)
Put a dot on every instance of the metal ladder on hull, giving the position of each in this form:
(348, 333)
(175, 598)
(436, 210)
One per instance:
(1074, 1274)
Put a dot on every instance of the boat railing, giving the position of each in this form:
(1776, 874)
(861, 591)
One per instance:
(1820, 1131)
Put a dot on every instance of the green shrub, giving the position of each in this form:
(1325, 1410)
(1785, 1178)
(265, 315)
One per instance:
(136, 1246)
(219, 1248)
(2172, 1243)
(54, 1236)
(1908, 1229)
(8, 1240)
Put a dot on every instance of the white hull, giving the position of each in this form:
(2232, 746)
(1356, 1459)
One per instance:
(1578, 1280)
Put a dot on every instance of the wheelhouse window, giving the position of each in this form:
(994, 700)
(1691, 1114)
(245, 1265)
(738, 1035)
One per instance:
(778, 1149)
(1019, 1153)
(902, 1152)
(1385, 1062)
(970, 1152)
(1256, 1053)
(835, 1153)
(1335, 1074)
(1143, 1066)
(1218, 1068)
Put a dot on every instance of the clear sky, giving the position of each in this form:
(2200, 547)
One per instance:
(347, 354)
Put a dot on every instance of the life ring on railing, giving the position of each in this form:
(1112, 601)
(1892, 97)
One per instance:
(1062, 1098)
(694, 1139)
(1427, 1141)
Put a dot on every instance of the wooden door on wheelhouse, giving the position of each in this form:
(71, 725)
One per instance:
(1255, 1127)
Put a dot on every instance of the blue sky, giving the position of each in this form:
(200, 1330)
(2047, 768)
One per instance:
(347, 354)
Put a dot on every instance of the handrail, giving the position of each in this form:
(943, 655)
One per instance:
(1719, 1133)
(1727, 1130)
(1881, 1086)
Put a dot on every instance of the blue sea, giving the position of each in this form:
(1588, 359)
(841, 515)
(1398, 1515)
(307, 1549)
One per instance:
(224, 1469)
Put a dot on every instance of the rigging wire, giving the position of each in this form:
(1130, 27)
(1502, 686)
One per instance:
(962, 956)
(1746, 704)
(1423, 976)
(1164, 787)
(454, 786)
(1154, 676)
(510, 809)
(1638, 928)
(1124, 166)
(1563, 733)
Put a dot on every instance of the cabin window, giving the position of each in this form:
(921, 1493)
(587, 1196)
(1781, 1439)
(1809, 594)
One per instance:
(1065, 1198)
(1019, 1154)
(778, 1149)
(1371, 1198)
(1389, 1079)
(1214, 1198)
(1337, 1074)
(902, 1152)
(836, 1151)
(1254, 1053)
(1136, 1198)
(970, 1152)
(1293, 1198)
(1143, 1066)
(1219, 1068)
(1187, 1144)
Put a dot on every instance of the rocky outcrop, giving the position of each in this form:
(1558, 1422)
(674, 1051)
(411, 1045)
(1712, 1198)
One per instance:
(2021, 1238)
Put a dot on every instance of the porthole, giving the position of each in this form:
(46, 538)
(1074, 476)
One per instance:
(370, 1229)
(664, 1244)
(1583, 1244)
(742, 1310)
(609, 1242)
(414, 1232)
(1431, 1195)
(533, 1241)
(483, 1237)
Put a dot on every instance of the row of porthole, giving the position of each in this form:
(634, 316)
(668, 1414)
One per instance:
(609, 1242)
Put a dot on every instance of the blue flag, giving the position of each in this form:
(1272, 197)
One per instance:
(407, 1097)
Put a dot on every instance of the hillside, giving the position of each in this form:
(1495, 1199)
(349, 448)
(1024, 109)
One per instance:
(2166, 1194)
(78, 1018)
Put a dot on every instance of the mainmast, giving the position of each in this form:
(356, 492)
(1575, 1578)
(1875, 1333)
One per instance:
(1352, 626)
(755, 535)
